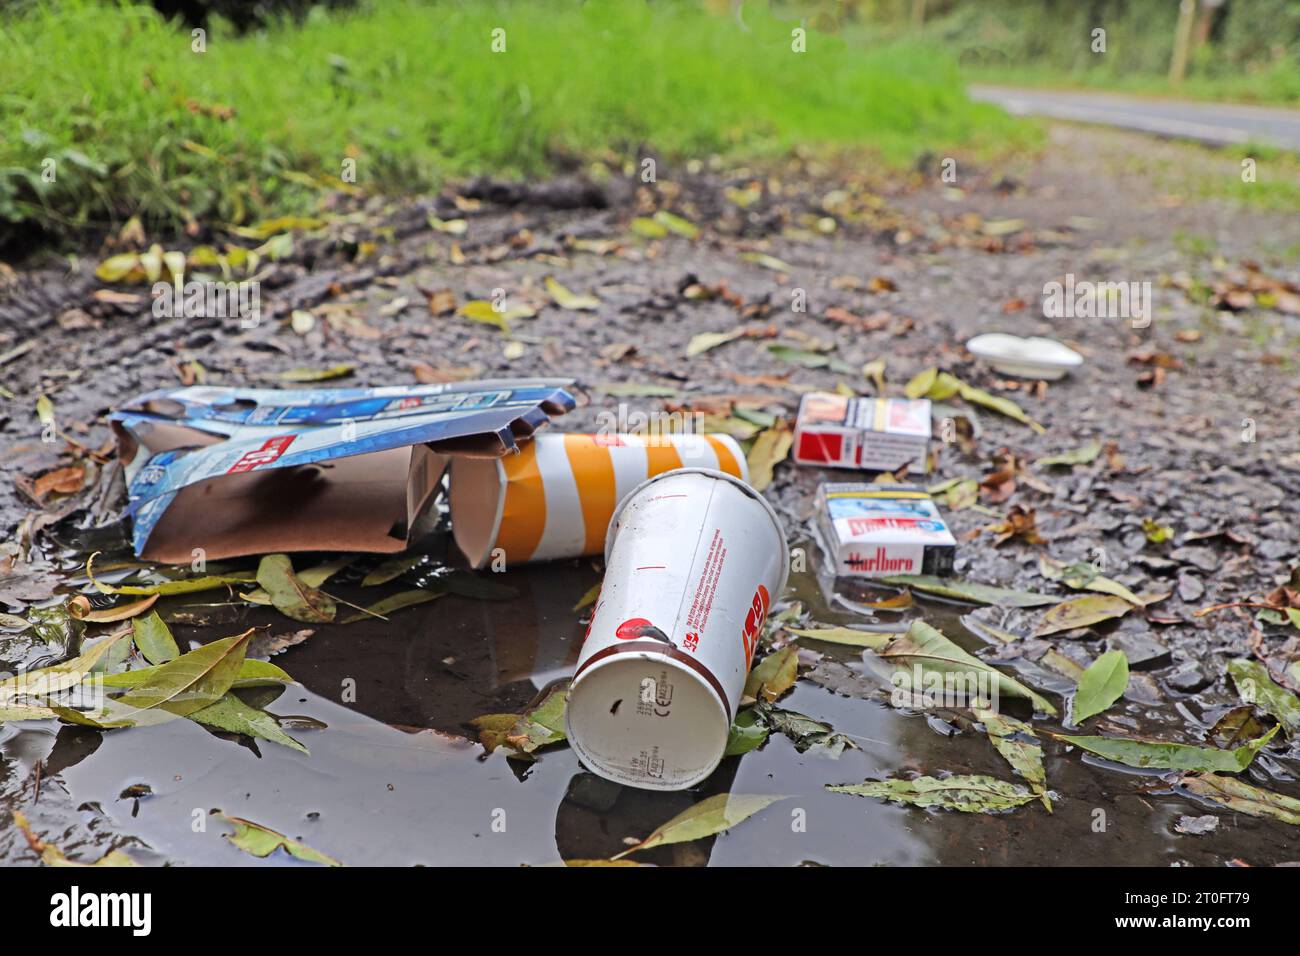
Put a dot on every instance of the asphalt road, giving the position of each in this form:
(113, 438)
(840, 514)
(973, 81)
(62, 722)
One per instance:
(1220, 124)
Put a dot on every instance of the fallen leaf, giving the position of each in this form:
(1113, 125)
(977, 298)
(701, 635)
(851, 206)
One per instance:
(746, 734)
(317, 374)
(1158, 755)
(704, 341)
(566, 299)
(1255, 686)
(526, 733)
(1101, 685)
(232, 715)
(1083, 455)
(806, 734)
(1236, 794)
(773, 675)
(1016, 742)
(291, 596)
(846, 636)
(676, 224)
(704, 819)
(63, 481)
(395, 602)
(1019, 523)
(969, 793)
(932, 651)
(770, 448)
(1083, 576)
(48, 681)
(1082, 612)
(107, 615)
(969, 591)
(53, 856)
(259, 841)
(767, 262)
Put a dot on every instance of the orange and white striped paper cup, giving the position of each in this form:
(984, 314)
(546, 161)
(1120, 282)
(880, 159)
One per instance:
(556, 497)
(693, 563)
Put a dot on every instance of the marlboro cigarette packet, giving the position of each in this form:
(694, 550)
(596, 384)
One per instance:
(876, 434)
(877, 530)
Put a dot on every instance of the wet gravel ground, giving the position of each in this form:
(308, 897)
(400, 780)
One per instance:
(1201, 408)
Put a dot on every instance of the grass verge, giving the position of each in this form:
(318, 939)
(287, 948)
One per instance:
(108, 112)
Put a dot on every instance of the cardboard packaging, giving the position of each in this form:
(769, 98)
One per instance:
(236, 471)
(694, 559)
(877, 530)
(556, 497)
(877, 434)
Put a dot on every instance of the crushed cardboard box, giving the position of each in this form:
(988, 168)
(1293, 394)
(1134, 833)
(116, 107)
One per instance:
(238, 471)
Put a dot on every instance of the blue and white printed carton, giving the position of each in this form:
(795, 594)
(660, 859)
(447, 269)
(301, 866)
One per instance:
(221, 471)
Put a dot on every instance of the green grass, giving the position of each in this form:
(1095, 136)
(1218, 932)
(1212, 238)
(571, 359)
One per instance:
(414, 93)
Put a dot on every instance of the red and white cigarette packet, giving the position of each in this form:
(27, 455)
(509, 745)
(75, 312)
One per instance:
(877, 434)
(874, 531)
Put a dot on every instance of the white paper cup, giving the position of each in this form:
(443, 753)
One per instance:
(694, 559)
(556, 497)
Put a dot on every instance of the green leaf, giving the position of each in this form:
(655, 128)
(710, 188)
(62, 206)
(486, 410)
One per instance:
(1004, 406)
(395, 602)
(802, 357)
(704, 341)
(252, 673)
(746, 734)
(676, 224)
(969, 793)
(180, 687)
(47, 681)
(770, 448)
(51, 855)
(588, 597)
(929, 648)
(526, 733)
(1015, 740)
(846, 636)
(969, 591)
(1256, 686)
(305, 374)
(233, 715)
(261, 842)
(648, 228)
(154, 639)
(392, 568)
(806, 733)
(767, 262)
(1157, 755)
(1236, 794)
(773, 675)
(567, 299)
(180, 586)
(1082, 612)
(706, 818)
(1083, 576)
(290, 595)
(1083, 455)
(1101, 685)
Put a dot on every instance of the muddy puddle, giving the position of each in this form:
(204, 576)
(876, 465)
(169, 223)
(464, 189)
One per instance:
(393, 777)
